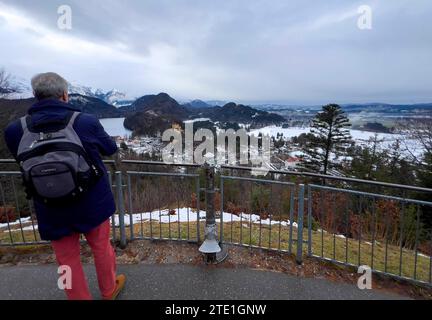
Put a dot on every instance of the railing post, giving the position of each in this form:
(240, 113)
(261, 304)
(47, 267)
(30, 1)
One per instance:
(309, 221)
(121, 209)
(198, 196)
(299, 256)
(210, 246)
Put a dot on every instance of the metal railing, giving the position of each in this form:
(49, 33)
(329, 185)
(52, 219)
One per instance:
(267, 226)
(392, 234)
(381, 225)
(380, 231)
(166, 213)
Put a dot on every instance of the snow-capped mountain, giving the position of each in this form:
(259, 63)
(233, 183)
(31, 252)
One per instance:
(114, 96)
(22, 86)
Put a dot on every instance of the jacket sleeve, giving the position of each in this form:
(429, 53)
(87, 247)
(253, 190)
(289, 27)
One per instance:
(105, 144)
(94, 136)
(12, 135)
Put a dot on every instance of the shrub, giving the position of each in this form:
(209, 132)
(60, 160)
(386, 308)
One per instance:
(8, 214)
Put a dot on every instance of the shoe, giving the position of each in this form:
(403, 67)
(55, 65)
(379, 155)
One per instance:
(120, 283)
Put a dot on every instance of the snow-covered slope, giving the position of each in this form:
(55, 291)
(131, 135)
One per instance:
(23, 87)
(114, 96)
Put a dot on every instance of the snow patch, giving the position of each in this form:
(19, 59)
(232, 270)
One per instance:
(191, 215)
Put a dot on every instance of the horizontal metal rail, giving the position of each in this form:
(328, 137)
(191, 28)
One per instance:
(322, 176)
(258, 180)
(368, 194)
(162, 174)
(13, 161)
(160, 163)
(7, 161)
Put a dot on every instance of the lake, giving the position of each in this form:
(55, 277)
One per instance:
(114, 127)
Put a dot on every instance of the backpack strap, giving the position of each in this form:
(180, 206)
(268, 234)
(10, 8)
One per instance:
(24, 123)
(73, 118)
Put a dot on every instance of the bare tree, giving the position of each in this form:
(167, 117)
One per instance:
(419, 131)
(6, 88)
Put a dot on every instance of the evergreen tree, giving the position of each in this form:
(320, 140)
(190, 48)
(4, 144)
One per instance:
(331, 138)
(368, 162)
(373, 162)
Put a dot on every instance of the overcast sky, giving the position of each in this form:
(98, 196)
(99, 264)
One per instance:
(298, 51)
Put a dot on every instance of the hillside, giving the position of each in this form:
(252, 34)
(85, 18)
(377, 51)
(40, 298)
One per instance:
(157, 105)
(239, 113)
(9, 111)
(155, 113)
(197, 104)
(95, 106)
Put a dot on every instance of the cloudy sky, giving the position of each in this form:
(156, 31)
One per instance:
(291, 51)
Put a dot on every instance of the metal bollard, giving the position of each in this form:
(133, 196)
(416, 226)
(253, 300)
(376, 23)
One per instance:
(121, 209)
(210, 246)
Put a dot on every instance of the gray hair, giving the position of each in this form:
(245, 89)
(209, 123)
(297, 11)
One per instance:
(49, 86)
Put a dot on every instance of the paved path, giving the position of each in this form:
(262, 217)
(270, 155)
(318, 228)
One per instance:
(183, 282)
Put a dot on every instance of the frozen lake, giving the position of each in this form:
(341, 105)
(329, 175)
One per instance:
(114, 127)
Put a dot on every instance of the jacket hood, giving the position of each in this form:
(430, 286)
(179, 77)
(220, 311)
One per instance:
(51, 104)
(50, 110)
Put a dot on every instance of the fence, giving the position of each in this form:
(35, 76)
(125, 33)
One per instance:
(342, 220)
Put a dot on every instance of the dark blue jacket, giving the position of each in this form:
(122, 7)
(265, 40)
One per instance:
(97, 205)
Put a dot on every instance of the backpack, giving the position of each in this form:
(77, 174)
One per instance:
(54, 164)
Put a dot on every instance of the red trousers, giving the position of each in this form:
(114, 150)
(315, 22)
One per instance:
(67, 252)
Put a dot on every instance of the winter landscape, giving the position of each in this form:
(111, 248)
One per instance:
(286, 136)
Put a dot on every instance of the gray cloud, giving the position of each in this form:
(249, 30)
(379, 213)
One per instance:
(288, 51)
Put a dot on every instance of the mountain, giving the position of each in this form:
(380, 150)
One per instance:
(198, 104)
(95, 106)
(155, 113)
(116, 98)
(113, 97)
(239, 113)
(216, 103)
(22, 88)
(147, 124)
(161, 105)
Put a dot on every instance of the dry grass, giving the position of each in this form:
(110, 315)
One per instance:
(323, 244)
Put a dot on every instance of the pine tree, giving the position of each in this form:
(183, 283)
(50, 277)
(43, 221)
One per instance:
(331, 138)
(368, 161)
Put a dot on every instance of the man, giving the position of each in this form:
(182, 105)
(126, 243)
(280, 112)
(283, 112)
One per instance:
(89, 214)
